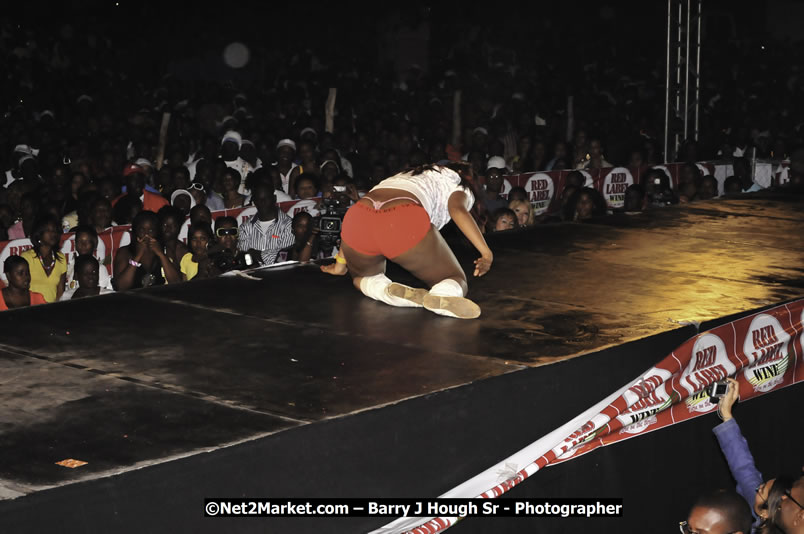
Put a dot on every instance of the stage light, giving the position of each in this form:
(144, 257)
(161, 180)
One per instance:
(236, 55)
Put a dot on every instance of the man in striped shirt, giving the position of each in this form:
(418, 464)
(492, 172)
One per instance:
(269, 231)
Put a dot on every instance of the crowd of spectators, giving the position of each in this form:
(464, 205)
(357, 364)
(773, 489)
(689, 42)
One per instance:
(81, 146)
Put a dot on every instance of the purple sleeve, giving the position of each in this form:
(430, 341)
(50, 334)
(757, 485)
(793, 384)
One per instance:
(738, 456)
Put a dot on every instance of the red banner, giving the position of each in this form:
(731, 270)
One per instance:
(764, 352)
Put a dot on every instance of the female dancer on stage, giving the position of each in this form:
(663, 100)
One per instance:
(399, 220)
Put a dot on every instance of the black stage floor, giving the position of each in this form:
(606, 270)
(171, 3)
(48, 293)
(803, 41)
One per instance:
(274, 371)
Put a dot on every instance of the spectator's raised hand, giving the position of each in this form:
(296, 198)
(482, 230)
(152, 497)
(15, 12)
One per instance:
(728, 400)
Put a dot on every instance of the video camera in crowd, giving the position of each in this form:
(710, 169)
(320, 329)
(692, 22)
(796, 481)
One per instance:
(329, 223)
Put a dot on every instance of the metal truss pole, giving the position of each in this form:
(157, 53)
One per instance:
(682, 82)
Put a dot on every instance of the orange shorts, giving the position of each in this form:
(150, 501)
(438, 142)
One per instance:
(385, 232)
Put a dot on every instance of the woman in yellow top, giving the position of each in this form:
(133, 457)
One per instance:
(196, 263)
(48, 266)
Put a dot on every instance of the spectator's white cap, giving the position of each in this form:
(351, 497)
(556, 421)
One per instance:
(538, 121)
(46, 112)
(324, 164)
(496, 162)
(480, 129)
(179, 192)
(228, 119)
(232, 136)
(286, 142)
(23, 149)
(246, 142)
(142, 162)
(309, 130)
(83, 98)
(25, 158)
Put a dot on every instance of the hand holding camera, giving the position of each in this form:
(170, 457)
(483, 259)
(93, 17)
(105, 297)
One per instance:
(725, 393)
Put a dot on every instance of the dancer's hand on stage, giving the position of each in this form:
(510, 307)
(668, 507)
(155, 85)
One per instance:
(728, 400)
(338, 269)
(483, 264)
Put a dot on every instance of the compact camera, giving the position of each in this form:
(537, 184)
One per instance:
(717, 390)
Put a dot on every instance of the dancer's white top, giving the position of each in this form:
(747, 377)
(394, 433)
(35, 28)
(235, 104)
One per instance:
(433, 188)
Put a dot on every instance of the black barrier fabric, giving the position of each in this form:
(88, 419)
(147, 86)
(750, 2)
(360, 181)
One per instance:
(420, 448)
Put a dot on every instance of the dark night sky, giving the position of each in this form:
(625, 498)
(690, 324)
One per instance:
(186, 27)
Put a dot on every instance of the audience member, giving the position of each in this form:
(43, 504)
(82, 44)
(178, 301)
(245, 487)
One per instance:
(232, 198)
(502, 219)
(742, 171)
(199, 193)
(99, 214)
(731, 185)
(687, 192)
(524, 212)
(134, 177)
(583, 204)
(171, 221)
(224, 253)
(86, 244)
(738, 455)
(657, 188)
(634, 199)
(494, 184)
(196, 263)
(307, 187)
(786, 503)
(87, 275)
(267, 232)
(143, 263)
(126, 209)
(182, 200)
(517, 193)
(708, 188)
(230, 155)
(595, 159)
(47, 266)
(18, 294)
(29, 211)
(305, 233)
(288, 170)
(718, 512)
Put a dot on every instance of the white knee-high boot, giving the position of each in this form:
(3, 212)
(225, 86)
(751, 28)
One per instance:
(447, 298)
(376, 287)
(447, 288)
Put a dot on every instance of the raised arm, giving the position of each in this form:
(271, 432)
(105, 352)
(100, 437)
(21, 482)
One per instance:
(735, 447)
